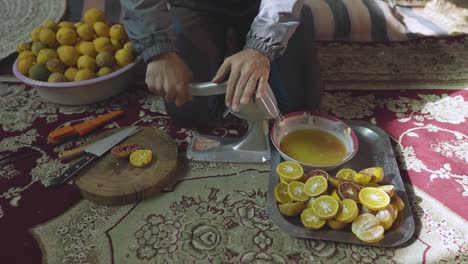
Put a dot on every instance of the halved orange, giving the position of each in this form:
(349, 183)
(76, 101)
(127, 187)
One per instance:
(348, 211)
(385, 218)
(361, 178)
(313, 173)
(335, 195)
(393, 211)
(367, 228)
(398, 202)
(377, 173)
(289, 171)
(315, 185)
(141, 157)
(325, 207)
(335, 225)
(310, 220)
(373, 198)
(310, 202)
(349, 190)
(389, 189)
(281, 193)
(296, 191)
(291, 209)
(365, 210)
(345, 174)
(333, 181)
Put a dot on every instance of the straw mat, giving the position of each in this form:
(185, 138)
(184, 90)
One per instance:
(19, 17)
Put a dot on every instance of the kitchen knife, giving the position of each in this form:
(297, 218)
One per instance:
(93, 152)
(67, 155)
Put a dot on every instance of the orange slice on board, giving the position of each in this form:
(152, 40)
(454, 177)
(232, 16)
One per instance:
(281, 193)
(377, 174)
(141, 158)
(310, 220)
(373, 198)
(315, 185)
(289, 171)
(349, 190)
(291, 209)
(296, 192)
(367, 228)
(348, 211)
(325, 207)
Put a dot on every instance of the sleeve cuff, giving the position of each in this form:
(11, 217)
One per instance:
(257, 44)
(161, 46)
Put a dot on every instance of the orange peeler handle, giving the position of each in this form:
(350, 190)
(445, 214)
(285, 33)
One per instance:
(66, 132)
(88, 126)
(57, 136)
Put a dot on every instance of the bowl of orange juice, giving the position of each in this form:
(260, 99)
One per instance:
(315, 140)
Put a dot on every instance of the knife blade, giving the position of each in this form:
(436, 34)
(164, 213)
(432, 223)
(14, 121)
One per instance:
(93, 152)
(70, 154)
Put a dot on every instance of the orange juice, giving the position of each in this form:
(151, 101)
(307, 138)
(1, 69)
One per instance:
(313, 146)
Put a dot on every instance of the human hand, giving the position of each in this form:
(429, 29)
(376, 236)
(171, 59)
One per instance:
(248, 72)
(168, 76)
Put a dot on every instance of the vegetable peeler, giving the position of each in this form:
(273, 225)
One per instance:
(72, 132)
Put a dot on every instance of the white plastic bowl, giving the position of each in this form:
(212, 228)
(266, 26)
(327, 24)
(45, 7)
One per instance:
(315, 120)
(82, 92)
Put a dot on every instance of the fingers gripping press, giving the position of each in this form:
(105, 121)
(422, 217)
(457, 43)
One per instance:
(248, 71)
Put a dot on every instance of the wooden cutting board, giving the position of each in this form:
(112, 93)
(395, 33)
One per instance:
(114, 181)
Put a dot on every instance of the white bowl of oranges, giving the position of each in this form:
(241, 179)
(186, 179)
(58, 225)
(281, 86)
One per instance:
(73, 63)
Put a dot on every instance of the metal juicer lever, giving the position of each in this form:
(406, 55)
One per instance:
(207, 88)
(257, 109)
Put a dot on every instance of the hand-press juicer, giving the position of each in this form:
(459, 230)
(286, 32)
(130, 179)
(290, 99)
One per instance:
(253, 147)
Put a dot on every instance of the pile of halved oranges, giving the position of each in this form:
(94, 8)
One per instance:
(351, 198)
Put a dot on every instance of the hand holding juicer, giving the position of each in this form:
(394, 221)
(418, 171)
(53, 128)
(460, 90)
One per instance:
(253, 147)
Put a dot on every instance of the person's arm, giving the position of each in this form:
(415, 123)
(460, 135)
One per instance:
(148, 25)
(274, 26)
(267, 39)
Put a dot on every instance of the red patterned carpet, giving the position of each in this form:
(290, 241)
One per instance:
(428, 127)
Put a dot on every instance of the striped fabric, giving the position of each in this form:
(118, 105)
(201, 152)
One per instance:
(371, 20)
(334, 20)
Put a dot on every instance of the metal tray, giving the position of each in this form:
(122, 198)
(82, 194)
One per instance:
(374, 150)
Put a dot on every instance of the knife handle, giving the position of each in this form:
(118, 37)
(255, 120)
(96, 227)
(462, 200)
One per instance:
(70, 172)
(71, 154)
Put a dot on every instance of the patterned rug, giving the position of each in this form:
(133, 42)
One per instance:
(216, 213)
(19, 17)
